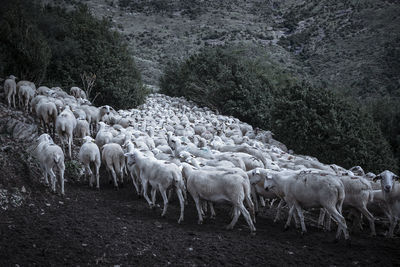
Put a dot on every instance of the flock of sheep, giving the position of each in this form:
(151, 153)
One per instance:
(173, 145)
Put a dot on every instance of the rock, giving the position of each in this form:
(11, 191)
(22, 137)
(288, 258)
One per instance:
(24, 131)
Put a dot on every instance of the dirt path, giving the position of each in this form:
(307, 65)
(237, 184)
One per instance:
(110, 227)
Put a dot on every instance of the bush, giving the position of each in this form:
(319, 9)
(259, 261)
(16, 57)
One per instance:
(65, 44)
(244, 82)
(23, 48)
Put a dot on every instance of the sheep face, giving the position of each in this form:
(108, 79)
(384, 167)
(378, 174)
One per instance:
(131, 158)
(269, 183)
(387, 180)
(357, 170)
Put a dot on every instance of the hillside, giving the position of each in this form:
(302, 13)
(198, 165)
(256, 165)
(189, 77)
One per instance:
(351, 46)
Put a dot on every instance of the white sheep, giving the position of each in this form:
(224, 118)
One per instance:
(391, 195)
(160, 175)
(82, 128)
(90, 154)
(49, 156)
(216, 186)
(94, 115)
(309, 190)
(103, 136)
(25, 96)
(65, 125)
(77, 92)
(47, 114)
(113, 157)
(10, 90)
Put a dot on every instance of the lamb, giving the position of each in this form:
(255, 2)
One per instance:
(65, 125)
(310, 190)
(47, 114)
(10, 90)
(82, 128)
(391, 196)
(90, 154)
(25, 95)
(113, 157)
(49, 156)
(161, 175)
(219, 185)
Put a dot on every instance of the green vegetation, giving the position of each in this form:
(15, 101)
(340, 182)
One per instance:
(54, 47)
(244, 82)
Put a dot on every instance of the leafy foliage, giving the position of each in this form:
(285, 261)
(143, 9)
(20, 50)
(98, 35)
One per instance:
(243, 82)
(24, 50)
(78, 43)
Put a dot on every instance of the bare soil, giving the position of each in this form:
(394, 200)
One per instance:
(108, 227)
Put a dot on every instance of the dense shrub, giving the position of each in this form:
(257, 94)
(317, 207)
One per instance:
(24, 50)
(243, 82)
(64, 44)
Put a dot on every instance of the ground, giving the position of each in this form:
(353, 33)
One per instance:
(108, 227)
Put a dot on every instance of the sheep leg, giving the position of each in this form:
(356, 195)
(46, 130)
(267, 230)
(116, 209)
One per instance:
(144, 182)
(199, 211)
(46, 180)
(289, 217)
(153, 194)
(181, 203)
(88, 175)
(69, 146)
(301, 215)
(262, 201)
(134, 183)
(254, 196)
(370, 219)
(321, 218)
(393, 223)
(121, 176)
(165, 198)
(236, 214)
(328, 221)
(52, 178)
(296, 220)
(114, 175)
(97, 168)
(251, 207)
(212, 210)
(278, 210)
(62, 141)
(170, 194)
(61, 168)
(246, 215)
(342, 227)
(271, 203)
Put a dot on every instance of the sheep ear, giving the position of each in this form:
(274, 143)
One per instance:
(378, 177)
